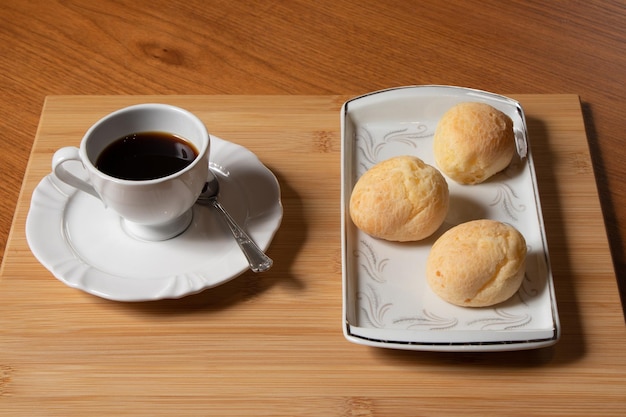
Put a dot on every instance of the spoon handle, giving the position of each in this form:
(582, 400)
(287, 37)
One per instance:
(259, 261)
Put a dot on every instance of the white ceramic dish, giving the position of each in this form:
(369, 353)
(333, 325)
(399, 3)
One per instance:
(84, 245)
(386, 300)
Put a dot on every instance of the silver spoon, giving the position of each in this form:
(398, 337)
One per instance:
(258, 260)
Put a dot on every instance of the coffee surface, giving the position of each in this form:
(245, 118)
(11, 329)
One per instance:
(145, 156)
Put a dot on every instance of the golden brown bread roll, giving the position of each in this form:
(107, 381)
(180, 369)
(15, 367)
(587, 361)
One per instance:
(477, 264)
(473, 141)
(400, 199)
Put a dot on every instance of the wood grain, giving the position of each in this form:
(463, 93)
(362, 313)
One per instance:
(271, 344)
(321, 47)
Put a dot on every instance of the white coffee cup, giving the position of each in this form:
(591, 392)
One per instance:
(153, 209)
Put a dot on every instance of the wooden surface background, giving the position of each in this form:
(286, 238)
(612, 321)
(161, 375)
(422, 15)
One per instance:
(272, 344)
(324, 47)
(316, 47)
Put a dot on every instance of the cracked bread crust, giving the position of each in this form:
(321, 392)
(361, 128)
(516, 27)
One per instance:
(473, 142)
(400, 199)
(477, 264)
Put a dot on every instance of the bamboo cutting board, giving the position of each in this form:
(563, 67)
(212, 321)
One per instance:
(271, 344)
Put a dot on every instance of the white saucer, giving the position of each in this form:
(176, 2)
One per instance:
(85, 246)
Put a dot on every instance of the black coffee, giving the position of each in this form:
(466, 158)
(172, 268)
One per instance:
(145, 156)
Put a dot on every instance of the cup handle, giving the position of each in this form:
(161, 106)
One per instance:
(70, 153)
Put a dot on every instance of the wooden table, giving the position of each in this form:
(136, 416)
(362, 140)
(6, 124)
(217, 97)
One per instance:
(272, 345)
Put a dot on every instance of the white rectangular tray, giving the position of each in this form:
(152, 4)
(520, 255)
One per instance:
(386, 299)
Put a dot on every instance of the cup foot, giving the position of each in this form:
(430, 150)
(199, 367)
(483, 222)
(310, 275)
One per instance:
(155, 233)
